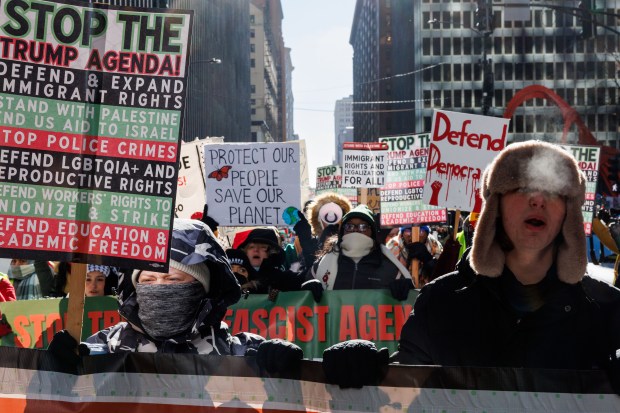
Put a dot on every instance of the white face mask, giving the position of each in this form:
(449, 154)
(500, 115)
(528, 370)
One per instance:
(19, 272)
(356, 245)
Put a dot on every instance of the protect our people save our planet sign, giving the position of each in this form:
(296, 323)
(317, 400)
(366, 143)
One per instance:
(251, 184)
(461, 146)
(91, 113)
(364, 164)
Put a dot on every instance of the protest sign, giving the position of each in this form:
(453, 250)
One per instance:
(329, 179)
(461, 146)
(401, 197)
(252, 183)
(93, 99)
(191, 182)
(188, 383)
(588, 158)
(365, 164)
(344, 314)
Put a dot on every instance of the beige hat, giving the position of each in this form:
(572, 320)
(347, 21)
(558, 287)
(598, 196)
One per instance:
(538, 166)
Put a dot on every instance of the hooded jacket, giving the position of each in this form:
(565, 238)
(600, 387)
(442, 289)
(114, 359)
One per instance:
(467, 319)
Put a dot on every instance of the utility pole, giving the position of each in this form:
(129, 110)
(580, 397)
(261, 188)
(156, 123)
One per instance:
(484, 28)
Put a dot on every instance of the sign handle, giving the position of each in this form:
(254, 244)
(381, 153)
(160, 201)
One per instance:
(457, 219)
(414, 269)
(75, 308)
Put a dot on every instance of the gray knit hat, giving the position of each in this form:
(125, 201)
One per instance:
(537, 166)
(199, 271)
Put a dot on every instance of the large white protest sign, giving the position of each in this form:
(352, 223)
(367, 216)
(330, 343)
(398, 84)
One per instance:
(252, 184)
(461, 146)
(365, 164)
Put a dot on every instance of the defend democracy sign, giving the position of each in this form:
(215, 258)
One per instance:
(92, 99)
(461, 146)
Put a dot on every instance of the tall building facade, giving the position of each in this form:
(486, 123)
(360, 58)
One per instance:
(288, 103)
(382, 40)
(343, 118)
(267, 71)
(459, 58)
(474, 56)
(218, 94)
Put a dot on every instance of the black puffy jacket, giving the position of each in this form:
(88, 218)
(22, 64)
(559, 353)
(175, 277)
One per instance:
(464, 319)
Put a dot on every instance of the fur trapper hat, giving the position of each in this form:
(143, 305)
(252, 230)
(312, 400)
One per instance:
(537, 166)
(327, 208)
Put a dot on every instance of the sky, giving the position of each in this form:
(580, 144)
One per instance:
(318, 34)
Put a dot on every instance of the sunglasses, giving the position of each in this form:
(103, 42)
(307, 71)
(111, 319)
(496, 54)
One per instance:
(348, 227)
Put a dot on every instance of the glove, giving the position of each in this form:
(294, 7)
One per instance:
(211, 223)
(400, 288)
(302, 228)
(418, 251)
(355, 363)
(66, 350)
(315, 287)
(279, 356)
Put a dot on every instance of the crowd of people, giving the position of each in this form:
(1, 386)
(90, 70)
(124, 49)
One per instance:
(518, 297)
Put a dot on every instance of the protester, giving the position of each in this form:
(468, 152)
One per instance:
(242, 269)
(180, 311)
(430, 241)
(32, 279)
(96, 276)
(267, 258)
(398, 244)
(520, 297)
(325, 213)
(7, 291)
(357, 261)
(465, 237)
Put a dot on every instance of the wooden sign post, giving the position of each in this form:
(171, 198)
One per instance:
(75, 309)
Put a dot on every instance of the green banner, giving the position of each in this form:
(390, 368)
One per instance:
(341, 315)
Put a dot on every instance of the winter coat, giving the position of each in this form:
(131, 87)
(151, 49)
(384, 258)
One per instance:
(373, 271)
(465, 319)
(206, 336)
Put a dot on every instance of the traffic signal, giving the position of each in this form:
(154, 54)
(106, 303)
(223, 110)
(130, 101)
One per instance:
(588, 23)
(484, 16)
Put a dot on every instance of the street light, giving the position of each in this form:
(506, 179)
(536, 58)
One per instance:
(488, 78)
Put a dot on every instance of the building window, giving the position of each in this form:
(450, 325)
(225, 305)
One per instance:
(252, 47)
(253, 88)
(252, 19)
(252, 62)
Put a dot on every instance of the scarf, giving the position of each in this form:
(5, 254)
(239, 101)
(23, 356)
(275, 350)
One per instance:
(166, 310)
(26, 286)
(356, 245)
